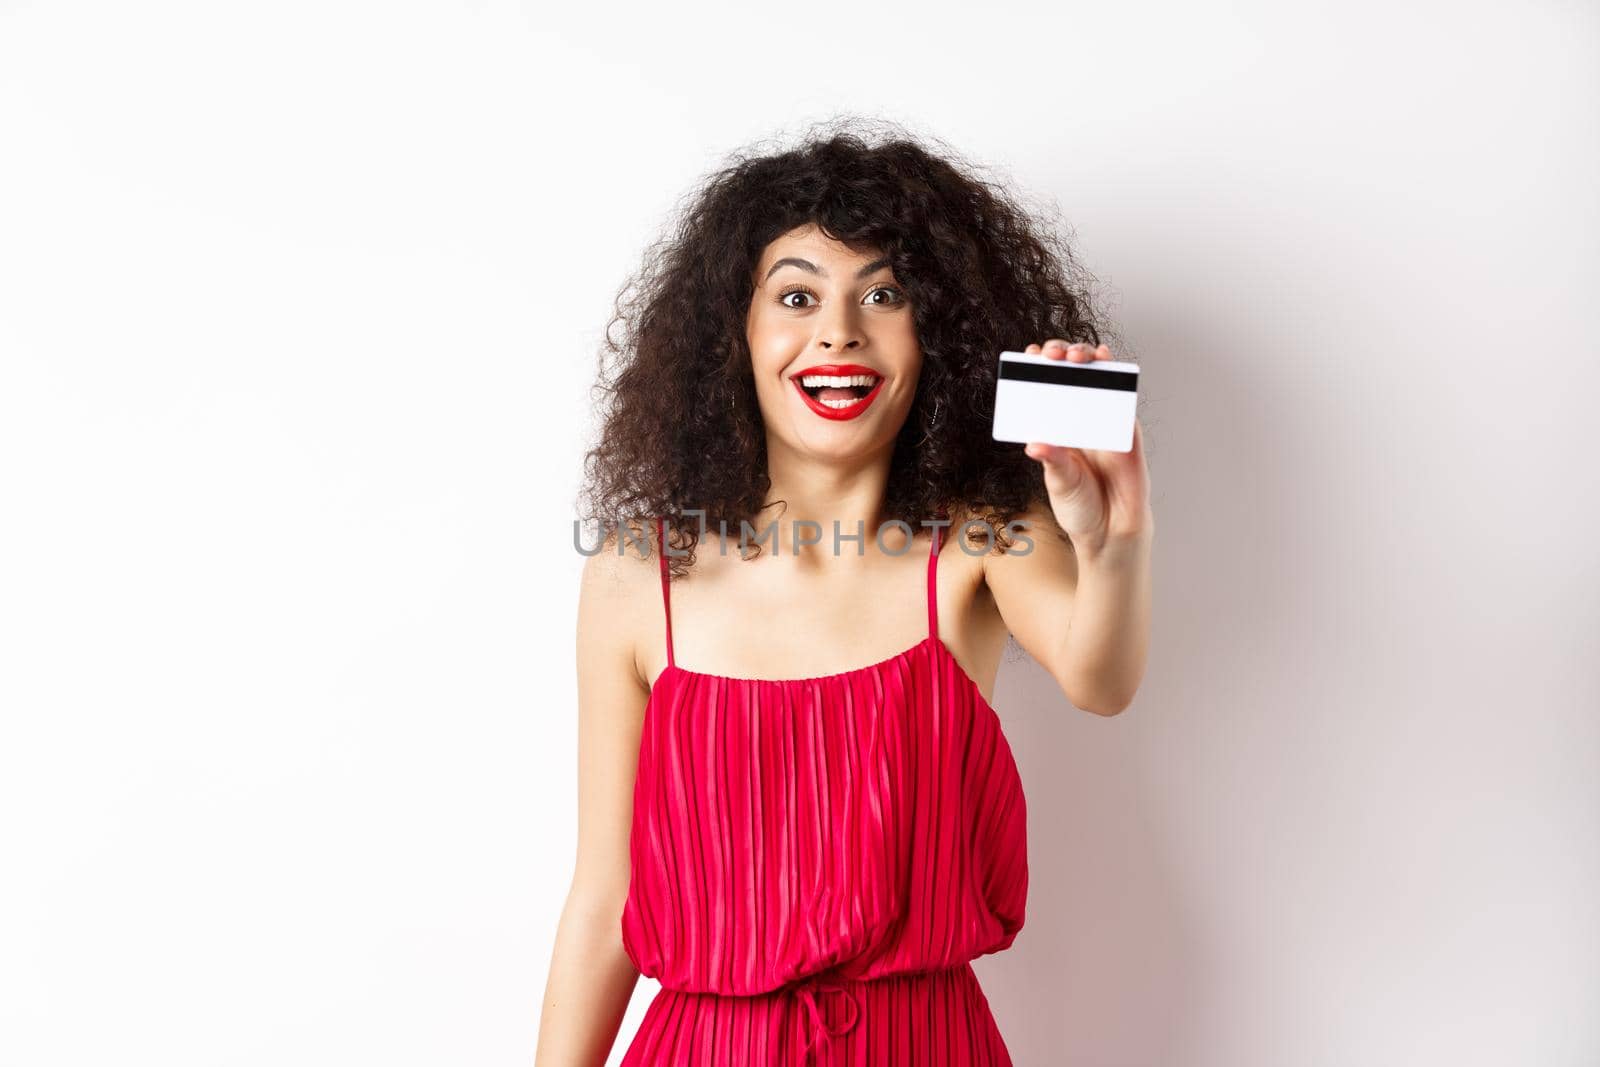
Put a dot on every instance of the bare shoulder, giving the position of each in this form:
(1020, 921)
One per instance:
(614, 584)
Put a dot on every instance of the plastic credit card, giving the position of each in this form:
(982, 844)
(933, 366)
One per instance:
(1080, 405)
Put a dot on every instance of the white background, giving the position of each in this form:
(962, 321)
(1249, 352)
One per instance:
(299, 305)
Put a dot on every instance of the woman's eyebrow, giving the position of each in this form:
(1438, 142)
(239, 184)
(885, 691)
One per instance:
(807, 265)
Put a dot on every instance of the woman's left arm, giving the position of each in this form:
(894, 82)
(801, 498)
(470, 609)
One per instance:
(1084, 613)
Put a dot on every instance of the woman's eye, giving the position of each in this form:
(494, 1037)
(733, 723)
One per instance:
(898, 296)
(783, 298)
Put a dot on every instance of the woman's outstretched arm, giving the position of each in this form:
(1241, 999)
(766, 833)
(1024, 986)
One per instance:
(591, 979)
(1082, 612)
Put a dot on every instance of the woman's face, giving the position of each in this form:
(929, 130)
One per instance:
(822, 312)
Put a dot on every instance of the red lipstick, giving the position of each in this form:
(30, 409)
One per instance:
(838, 370)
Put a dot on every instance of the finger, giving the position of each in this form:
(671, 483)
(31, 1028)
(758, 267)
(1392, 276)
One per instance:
(1061, 470)
(1080, 352)
(1103, 352)
(1044, 452)
(1055, 348)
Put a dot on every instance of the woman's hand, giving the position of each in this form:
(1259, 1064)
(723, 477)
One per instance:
(1098, 497)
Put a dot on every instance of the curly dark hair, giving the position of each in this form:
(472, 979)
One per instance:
(679, 425)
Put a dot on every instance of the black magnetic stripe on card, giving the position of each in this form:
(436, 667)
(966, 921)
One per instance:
(1067, 374)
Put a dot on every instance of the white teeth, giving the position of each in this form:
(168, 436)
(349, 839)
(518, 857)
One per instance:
(816, 381)
(838, 403)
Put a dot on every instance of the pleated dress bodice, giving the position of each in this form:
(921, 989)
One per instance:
(848, 827)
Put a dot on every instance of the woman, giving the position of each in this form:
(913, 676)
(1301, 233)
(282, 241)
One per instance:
(797, 809)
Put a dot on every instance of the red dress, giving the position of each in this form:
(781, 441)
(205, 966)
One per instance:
(816, 861)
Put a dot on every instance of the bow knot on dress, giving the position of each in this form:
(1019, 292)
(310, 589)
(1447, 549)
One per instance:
(807, 992)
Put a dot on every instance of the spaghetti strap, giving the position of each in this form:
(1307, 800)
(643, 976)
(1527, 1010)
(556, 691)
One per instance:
(933, 579)
(666, 584)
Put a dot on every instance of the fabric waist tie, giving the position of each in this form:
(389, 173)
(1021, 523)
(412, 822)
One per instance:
(798, 1013)
(855, 991)
(800, 1021)
(807, 992)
